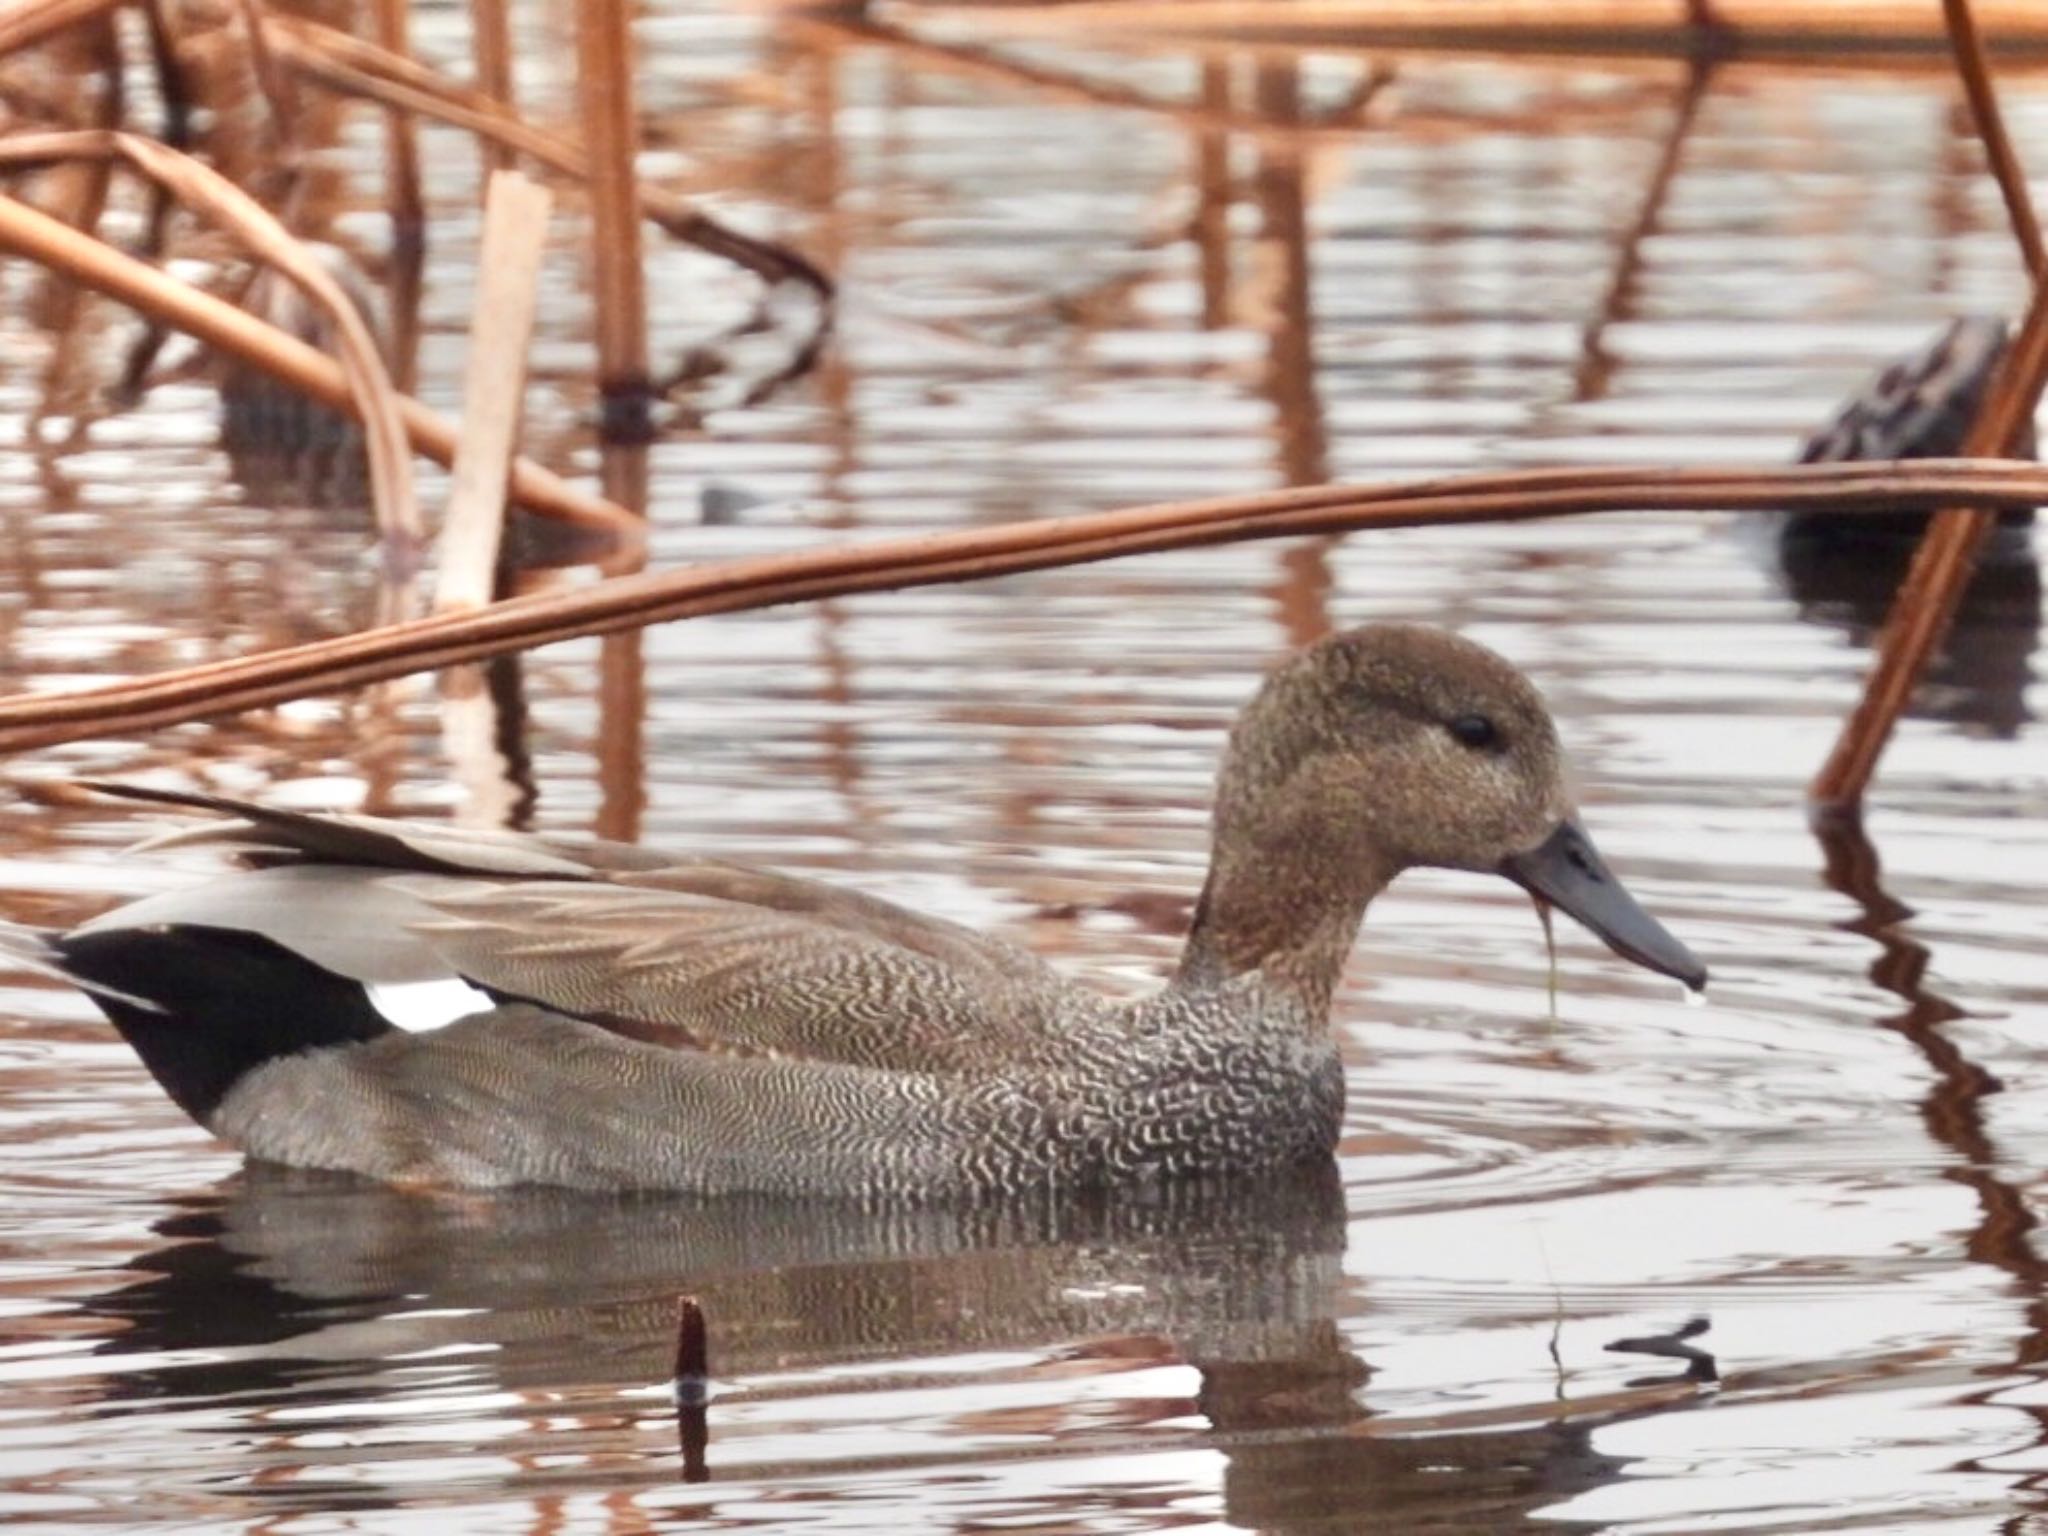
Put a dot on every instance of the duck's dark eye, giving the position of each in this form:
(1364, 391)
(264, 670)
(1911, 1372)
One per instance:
(1476, 732)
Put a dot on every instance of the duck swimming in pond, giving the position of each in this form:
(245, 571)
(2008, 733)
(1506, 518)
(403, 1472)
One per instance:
(661, 1021)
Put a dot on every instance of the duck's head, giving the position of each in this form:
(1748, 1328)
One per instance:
(1392, 746)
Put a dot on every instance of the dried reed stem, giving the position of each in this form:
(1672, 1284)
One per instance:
(200, 187)
(1940, 573)
(401, 145)
(490, 35)
(170, 75)
(273, 83)
(611, 139)
(1206, 114)
(34, 234)
(357, 68)
(1974, 65)
(350, 65)
(493, 389)
(1823, 27)
(621, 745)
(26, 22)
(440, 640)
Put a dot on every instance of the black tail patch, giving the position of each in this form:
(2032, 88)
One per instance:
(230, 1001)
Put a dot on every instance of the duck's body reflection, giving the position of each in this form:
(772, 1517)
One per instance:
(298, 1288)
(338, 1268)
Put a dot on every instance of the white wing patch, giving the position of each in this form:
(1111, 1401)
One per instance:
(420, 1006)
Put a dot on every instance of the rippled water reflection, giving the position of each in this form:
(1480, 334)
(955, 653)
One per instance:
(1053, 302)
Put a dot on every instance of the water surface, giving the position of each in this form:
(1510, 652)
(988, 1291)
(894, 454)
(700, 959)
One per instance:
(1055, 299)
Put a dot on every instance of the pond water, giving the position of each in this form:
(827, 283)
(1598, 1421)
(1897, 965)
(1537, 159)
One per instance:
(1078, 277)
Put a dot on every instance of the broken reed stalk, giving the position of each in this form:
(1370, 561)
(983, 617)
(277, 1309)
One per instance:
(1974, 65)
(441, 640)
(1940, 573)
(1934, 585)
(493, 389)
(611, 140)
(349, 65)
(29, 232)
(490, 43)
(200, 187)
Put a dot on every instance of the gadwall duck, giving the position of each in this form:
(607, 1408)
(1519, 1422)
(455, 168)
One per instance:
(654, 1021)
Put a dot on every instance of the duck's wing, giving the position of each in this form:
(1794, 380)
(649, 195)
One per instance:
(265, 837)
(699, 972)
(693, 953)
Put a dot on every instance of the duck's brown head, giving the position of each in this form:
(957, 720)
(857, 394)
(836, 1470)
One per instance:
(1391, 746)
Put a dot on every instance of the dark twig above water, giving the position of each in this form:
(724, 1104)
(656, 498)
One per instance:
(692, 1388)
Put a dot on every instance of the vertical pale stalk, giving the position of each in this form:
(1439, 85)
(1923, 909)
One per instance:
(472, 538)
(493, 389)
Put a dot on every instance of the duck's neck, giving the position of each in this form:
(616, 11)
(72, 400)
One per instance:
(1289, 913)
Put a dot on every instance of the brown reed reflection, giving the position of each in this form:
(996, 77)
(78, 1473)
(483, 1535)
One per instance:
(1594, 374)
(1953, 1109)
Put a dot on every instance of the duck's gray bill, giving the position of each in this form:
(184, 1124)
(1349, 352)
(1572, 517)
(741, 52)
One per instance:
(1568, 872)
